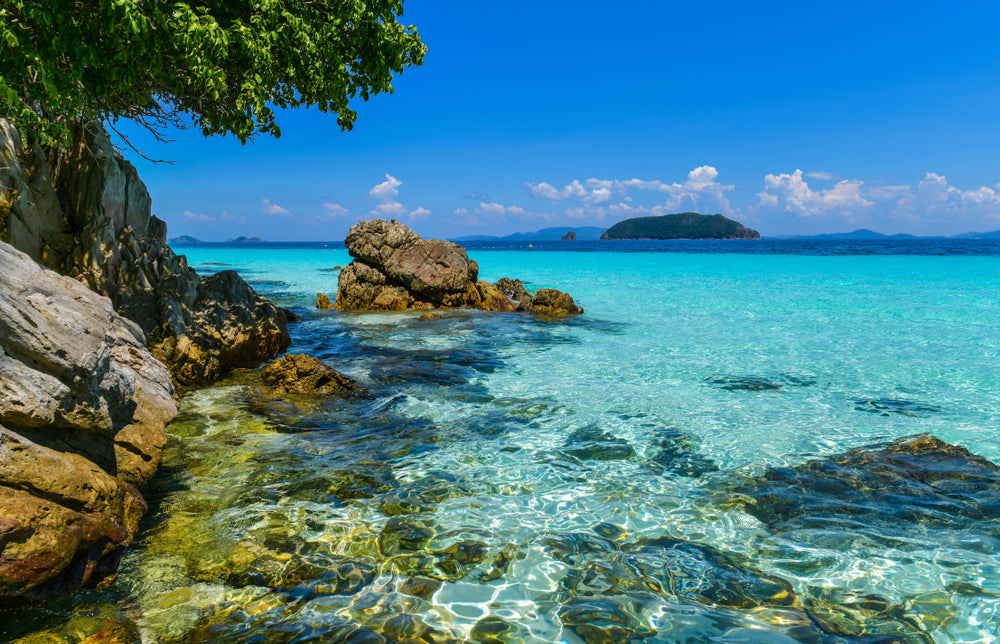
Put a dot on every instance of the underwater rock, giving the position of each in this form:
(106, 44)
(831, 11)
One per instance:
(496, 630)
(703, 573)
(406, 534)
(610, 620)
(83, 407)
(395, 269)
(869, 617)
(678, 455)
(887, 406)
(431, 316)
(83, 211)
(593, 444)
(888, 489)
(323, 302)
(422, 587)
(743, 383)
(303, 374)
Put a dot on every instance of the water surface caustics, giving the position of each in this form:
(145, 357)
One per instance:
(674, 466)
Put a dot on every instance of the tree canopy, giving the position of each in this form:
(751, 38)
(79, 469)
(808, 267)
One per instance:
(223, 64)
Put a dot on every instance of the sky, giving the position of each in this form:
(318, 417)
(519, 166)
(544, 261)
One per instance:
(790, 117)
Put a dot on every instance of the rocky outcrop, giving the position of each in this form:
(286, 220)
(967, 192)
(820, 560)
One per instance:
(83, 406)
(82, 211)
(304, 374)
(396, 269)
(569, 236)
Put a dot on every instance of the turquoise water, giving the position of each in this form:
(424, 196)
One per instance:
(470, 469)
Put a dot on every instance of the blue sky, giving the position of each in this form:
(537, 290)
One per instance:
(792, 117)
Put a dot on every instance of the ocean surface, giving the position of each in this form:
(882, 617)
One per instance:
(586, 479)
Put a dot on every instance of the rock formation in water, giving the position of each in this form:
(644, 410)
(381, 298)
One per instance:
(396, 269)
(304, 374)
(82, 211)
(83, 406)
(569, 236)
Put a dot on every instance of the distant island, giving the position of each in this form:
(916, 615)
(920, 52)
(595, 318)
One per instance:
(246, 240)
(583, 233)
(685, 225)
(569, 236)
(864, 234)
(185, 239)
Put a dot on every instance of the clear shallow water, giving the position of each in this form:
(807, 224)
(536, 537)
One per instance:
(466, 489)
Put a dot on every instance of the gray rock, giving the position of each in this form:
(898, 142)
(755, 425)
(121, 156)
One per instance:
(83, 406)
(82, 211)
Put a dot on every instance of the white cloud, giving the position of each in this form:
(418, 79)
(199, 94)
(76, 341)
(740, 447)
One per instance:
(198, 216)
(389, 209)
(419, 213)
(932, 207)
(334, 209)
(385, 193)
(791, 193)
(386, 190)
(822, 175)
(701, 191)
(273, 208)
(225, 216)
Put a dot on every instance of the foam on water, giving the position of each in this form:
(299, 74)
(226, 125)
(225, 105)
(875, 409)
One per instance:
(505, 431)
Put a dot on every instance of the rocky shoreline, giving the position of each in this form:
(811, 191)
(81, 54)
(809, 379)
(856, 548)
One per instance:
(99, 322)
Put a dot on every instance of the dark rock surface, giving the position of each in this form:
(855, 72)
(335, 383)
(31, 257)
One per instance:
(83, 406)
(83, 211)
(889, 490)
(395, 269)
(303, 374)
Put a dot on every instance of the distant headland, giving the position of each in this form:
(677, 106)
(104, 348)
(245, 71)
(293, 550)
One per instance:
(188, 239)
(685, 225)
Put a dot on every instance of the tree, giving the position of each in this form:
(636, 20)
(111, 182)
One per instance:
(222, 64)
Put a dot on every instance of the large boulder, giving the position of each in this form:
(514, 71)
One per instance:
(83, 406)
(396, 269)
(82, 211)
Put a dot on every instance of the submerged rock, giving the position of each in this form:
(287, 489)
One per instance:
(303, 374)
(887, 406)
(593, 444)
(83, 406)
(884, 490)
(743, 383)
(396, 269)
(82, 211)
(678, 454)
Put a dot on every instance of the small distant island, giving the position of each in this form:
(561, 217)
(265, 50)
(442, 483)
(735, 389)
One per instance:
(569, 236)
(246, 240)
(685, 225)
(185, 239)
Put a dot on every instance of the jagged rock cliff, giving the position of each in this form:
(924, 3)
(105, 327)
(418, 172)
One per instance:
(83, 211)
(83, 406)
(395, 269)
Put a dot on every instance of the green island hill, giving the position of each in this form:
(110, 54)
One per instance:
(685, 225)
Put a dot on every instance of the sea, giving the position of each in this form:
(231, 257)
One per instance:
(636, 473)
